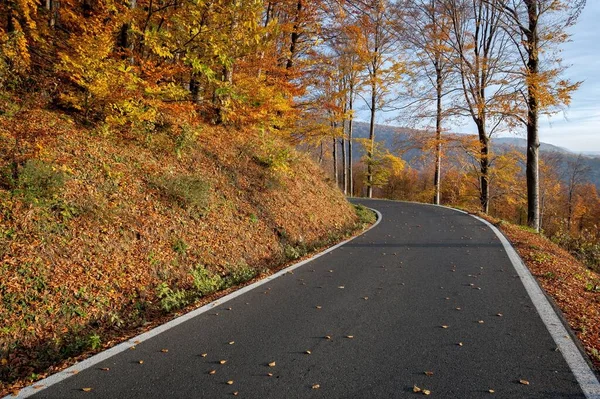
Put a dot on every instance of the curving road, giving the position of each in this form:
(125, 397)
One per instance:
(427, 298)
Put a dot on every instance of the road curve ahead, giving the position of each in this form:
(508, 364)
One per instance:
(427, 299)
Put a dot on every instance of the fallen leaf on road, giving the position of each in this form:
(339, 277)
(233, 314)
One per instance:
(349, 336)
(460, 344)
(204, 354)
(38, 386)
(429, 373)
(230, 382)
(105, 369)
(222, 361)
(164, 350)
(308, 352)
(365, 298)
(231, 342)
(86, 389)
(316, 386)
(328, 337)
(480, 321)
(491, 391)
(499, 315)
(269, 374)
(341, 287)
(236, 393)
(416, 389)
(212, 372)
(444, 326)
(426, 392)
(272, 364)
(524, 382)
(318, 307)
(141, 362)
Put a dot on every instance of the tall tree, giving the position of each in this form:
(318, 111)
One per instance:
(377, 50)
(428, 38)
(537, 27)
(481, 48)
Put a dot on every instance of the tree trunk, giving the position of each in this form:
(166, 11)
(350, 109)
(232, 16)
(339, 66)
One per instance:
(371, 143)
(533, 139)
(484, 167)
(295, 36)
(350, 132)
(335, 161)
(344, 165)
(438, 139)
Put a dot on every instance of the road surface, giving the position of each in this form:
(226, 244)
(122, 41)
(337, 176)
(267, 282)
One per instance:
(428, 298)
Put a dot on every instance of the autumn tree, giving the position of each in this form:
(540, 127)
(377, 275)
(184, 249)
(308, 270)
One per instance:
(485, 69)
(377, 49)
(537, 28)
(428, 39)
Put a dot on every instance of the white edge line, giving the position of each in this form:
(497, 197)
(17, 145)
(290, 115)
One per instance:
(580, 368)
(122, 347)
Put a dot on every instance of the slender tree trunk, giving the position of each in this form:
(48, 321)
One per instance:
(371, 143)
(344, 165)
(438, 139)
(484, 167)
(350, 132)
(533, 138)
(335, 161)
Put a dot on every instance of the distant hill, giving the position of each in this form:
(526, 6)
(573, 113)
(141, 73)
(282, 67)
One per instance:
(400, 140)
(517, 142)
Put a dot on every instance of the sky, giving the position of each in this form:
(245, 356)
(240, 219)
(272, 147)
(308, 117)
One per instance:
(578, 129)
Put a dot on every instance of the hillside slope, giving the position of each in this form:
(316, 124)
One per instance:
(101, 233)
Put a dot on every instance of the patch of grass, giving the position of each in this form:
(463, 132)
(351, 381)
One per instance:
(189, 192)
(541, 257)
(365, 215)
(180, 246)
(39, 181)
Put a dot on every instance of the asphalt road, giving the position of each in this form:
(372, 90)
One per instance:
(427, 298)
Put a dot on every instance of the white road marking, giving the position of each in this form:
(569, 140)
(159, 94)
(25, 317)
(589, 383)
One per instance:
(580, 368)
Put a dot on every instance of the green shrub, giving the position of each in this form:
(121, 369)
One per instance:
(204, 282)
(171, 299)
(293, 252)
(238, 274)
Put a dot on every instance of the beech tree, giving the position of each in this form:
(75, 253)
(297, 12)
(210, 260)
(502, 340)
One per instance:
(377, 50)
(537, 28)
(485, 70)
(428, 38)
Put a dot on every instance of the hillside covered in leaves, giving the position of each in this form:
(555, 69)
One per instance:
(145, 164)
(99, 233)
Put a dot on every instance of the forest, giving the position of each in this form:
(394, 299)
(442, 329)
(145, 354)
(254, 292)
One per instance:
(300, 70)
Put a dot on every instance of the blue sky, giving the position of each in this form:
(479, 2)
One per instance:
(579, 128)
